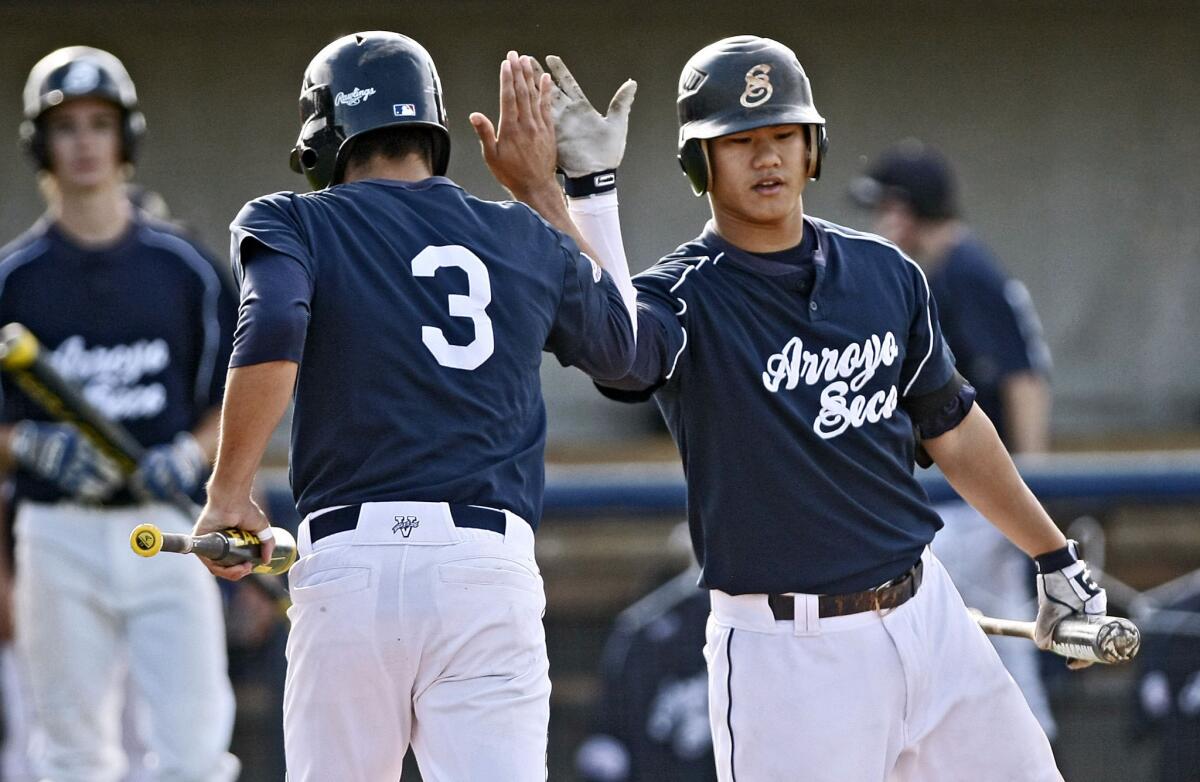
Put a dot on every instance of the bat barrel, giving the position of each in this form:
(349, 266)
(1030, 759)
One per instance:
(1113, 640)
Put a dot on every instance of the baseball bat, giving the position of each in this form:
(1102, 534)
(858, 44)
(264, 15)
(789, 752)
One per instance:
(1111, 641)
(229, 547)
(23, 358)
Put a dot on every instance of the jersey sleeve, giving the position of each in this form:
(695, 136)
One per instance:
(662, 334)
(272, 322)
(928, 363)
(275, 271)
(591, 328)
(273, 222)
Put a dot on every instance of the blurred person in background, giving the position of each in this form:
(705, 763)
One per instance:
(650, 723)
(991, 327)
(1168, 687)
(137, 316)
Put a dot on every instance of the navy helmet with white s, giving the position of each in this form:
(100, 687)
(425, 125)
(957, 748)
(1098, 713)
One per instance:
(364, 82)
(76, 72)
(738, 84)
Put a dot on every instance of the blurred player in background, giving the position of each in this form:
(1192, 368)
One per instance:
(651, 719)
(990, 325)
(793, 360)
(138, 317)
(410, 319)
(1168, 686)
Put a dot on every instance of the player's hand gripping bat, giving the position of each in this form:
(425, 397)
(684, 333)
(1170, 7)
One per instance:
(1110, 641)
(22, 357)
(229, 547)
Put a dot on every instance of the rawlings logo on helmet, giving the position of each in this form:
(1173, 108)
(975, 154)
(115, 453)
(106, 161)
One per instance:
(354, 97)
(758, 86)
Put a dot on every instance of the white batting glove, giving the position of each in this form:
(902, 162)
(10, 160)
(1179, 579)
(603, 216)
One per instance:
(587, 142)
(1065, 588)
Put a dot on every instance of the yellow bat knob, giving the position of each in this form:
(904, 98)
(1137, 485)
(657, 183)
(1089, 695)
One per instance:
(146, 540)
(18, 347)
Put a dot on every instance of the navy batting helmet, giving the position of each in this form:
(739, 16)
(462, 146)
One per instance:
(79, 72)
(364, 82)
(737, 84)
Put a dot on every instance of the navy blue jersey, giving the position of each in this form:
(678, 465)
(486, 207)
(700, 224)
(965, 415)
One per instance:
(786, 403)
(144, 326)
(428, 312)
(651, 723)
(989, 322)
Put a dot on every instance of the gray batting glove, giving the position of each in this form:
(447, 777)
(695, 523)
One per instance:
(62, 455)
(1065, 587)
(587, 142)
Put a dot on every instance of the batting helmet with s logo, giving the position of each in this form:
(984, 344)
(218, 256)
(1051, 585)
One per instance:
(738, 84)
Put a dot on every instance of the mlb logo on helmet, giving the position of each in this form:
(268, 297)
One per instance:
(404, 110)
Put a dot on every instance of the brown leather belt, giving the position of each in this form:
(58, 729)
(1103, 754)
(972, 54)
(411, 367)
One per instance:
(893, 594)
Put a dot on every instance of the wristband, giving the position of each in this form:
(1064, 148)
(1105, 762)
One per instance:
(1057, 559)
(590, 184)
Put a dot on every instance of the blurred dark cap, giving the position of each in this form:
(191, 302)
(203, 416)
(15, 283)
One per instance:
(912, 172)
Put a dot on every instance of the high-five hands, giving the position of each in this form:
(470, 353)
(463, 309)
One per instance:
(587, 141)
(520, 150)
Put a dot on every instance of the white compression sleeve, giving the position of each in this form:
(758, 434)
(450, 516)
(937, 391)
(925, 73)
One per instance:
(599, 221)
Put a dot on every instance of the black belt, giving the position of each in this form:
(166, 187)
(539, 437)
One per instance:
(893, 594)
(346, 519)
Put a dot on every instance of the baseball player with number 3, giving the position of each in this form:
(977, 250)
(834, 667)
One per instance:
(798, 365)
(410, 318)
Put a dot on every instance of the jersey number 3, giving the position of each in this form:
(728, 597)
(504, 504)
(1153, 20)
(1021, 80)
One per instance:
(473, 305)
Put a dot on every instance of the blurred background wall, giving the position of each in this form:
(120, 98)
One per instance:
(1073, 125)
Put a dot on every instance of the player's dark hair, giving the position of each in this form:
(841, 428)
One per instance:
(395, 142)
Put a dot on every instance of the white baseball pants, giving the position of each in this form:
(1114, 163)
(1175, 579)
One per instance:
(915, 694)
(425, 634)
(90, 612)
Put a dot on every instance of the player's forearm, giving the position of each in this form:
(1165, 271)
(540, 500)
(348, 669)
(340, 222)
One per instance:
(1027, 412)
(976, 464)
(594, 226)
(256, 397)
(547, 199)
(598, 220)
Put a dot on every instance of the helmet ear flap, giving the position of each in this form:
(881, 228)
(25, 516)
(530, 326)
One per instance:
(133, 129)
(818, 142)
(693, 159)
(33, 140)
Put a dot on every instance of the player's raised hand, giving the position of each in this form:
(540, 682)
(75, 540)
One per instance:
(520, 149)
(587, 141)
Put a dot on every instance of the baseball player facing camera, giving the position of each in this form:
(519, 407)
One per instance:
(89, 280)
(793, 360)
(410, 318)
